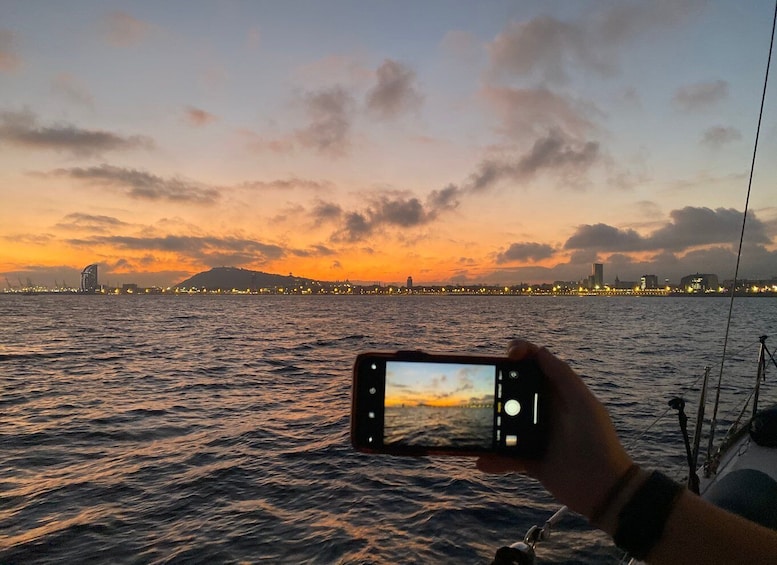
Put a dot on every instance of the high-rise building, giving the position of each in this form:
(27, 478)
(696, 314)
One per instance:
(598, 274)
(409, 283)
(89, 278)
(648, 281)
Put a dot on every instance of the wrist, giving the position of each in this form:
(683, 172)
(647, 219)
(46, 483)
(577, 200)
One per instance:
(605, 515)
(642, 520)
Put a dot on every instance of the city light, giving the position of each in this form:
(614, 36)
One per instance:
(697, 284)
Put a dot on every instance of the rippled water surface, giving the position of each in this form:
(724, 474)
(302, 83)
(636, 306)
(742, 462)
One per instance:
(439, 426)
(215, 429)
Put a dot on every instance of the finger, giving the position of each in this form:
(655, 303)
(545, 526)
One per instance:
(521, 349)
(559, 373)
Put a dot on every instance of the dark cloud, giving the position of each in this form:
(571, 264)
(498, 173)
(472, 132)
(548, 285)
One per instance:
(398, 211)
(198, 117)
(445, 199)
(124, 30)
(688, 228)
(142, 185)
(705, 260)
(489, 173)
(703, 226)
(529, 251)
(314, 251)
(212, 251)
(700, 95)
(717, 136)
(605, 238)
(89, 222)
(323, 211)
(557, 152)
(401, 212)
(534, 111)
(356, 227)
(288, 184)
(21, 129)
(583, 256)
(554, 152)
(394, 93)
(330, 122)
(549, 48)
(9, 60)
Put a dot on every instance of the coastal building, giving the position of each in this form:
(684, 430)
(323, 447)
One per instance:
(648, 281)
(623, 285)
(130, 288)
(598, 274)
(596, 279)
(699, 282)
(89, 278)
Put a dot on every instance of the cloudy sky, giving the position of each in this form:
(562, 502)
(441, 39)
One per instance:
(454, 141)
(434, 384)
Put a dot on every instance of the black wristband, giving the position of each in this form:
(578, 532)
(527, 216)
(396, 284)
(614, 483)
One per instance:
(641, 522)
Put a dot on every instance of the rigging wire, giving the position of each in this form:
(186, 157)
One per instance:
(742, 234)
(661, 416)
(682, 394)
(729, 415)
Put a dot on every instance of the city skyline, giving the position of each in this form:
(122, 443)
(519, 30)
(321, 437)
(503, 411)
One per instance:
(231, 280)
(451, 142)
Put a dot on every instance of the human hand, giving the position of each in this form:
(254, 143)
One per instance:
(584, 457)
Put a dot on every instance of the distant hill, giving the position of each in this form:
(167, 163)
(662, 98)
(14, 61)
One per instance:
(227, 278)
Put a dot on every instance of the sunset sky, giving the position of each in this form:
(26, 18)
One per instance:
(491, 141)
(435, 384)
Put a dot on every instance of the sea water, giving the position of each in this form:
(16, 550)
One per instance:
(215, 429)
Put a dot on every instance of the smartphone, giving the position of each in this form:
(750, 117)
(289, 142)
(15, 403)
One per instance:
(416, 403)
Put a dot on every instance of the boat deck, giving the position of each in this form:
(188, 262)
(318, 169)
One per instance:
(745, 454)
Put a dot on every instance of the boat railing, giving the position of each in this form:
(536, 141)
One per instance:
(739, 427)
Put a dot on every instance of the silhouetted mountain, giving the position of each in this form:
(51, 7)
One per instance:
(227, 278)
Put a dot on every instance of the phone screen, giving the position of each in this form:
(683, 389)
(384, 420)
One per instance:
(417, 403)
(439, 404)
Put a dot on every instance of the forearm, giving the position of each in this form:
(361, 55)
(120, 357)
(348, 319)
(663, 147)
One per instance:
(699, 532)
(696, 531)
